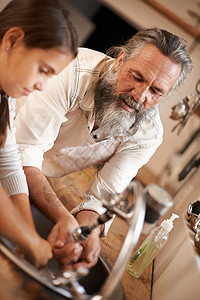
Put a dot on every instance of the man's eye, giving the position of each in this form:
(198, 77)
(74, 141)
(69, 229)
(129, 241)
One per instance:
(137, 78)
(157, 93)
(154, 92)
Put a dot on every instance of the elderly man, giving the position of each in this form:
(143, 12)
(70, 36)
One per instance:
(98, 111)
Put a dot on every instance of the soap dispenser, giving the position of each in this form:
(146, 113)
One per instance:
(151, 246)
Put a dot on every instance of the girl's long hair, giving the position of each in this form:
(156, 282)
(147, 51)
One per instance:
(4, 118)
(46, 24)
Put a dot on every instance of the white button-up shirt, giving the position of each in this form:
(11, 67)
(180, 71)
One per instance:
(53, 129)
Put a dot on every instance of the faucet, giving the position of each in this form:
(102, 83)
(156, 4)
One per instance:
(130, 206)
(135, 205)
(136, 220)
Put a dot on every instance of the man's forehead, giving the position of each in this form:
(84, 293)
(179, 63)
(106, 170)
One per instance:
(154, 68)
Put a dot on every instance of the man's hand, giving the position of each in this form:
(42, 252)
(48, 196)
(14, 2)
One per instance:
(90, 253)
(69, 253)
(65, 249)
(91, 247)
(74, 255)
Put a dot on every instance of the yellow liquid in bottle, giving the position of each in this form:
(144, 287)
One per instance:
(142, 259)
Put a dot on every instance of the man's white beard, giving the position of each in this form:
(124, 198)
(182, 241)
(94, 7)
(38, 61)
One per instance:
(115, 122)
(110, 116)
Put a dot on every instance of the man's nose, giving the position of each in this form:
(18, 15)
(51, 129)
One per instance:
(140, 93)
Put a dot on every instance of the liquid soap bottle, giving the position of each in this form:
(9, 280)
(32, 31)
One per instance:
(153, 243)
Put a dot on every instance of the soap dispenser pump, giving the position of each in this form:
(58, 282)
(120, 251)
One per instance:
(151, 246)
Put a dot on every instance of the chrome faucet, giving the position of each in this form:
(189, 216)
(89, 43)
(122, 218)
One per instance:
(130, 206)
(136, 220)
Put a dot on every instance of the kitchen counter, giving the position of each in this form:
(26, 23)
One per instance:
(134, 288)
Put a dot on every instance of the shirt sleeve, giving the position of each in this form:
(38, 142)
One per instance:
(113, 178)
(12, 177)
(39, 119)
(118, 172)
(93, 204)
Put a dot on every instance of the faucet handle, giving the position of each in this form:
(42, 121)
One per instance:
(80, 272)
(70, 279)
(122, 204)
(71, 276)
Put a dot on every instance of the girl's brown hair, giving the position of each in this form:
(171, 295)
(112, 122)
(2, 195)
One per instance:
(4, 118)
(46, 25)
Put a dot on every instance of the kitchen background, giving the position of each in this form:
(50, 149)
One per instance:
(114, 21)
(104, 23)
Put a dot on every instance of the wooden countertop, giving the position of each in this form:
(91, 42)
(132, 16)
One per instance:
(16, 285)
(134, 288)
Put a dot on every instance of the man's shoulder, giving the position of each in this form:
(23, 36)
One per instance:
(89, 59)
(90, 53)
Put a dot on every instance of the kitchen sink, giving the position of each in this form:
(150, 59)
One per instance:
(91, 283)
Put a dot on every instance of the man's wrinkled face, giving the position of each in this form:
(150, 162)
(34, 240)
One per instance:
(125, 95)
(111, 119)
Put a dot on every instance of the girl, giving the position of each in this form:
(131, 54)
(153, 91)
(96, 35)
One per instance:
(37, 40)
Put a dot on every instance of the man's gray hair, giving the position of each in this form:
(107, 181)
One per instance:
(169, 44)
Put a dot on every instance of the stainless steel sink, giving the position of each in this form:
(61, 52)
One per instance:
(91, 283)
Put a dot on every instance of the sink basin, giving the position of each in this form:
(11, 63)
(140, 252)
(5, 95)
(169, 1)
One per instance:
(92, 283)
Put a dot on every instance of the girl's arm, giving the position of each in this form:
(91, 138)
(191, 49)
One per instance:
(13, 226)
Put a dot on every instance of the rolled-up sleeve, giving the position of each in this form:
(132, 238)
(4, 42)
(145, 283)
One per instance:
(113, 178)
(12, 177)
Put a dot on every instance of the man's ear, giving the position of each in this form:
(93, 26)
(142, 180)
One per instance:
(119, 61)
(12, 37)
